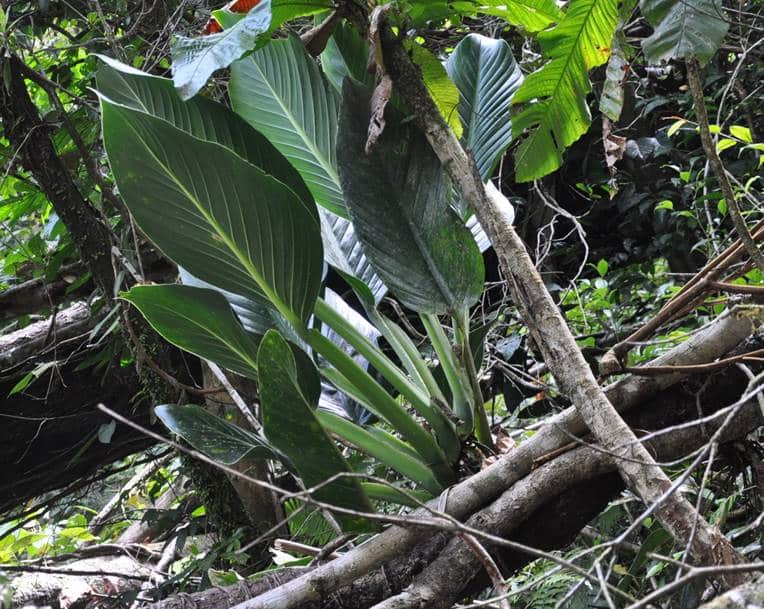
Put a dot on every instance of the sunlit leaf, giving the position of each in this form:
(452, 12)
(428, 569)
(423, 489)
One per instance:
(555, 113)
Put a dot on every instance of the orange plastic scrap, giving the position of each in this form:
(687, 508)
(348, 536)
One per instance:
(235, 6)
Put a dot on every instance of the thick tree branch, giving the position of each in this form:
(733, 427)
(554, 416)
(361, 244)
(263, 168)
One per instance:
(545, 509)
(441, 584)
(30, 137)
(16, 347)
(689, 296)
(547, 326)
(36, 294)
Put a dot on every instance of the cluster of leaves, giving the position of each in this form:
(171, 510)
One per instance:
(402, 229)
(257, 202)
(385, 220)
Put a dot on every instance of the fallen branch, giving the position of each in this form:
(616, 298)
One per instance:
(21, 345)
(689, 296)
(530, 508)
(441, 584)
(36, 294)
(717, 338)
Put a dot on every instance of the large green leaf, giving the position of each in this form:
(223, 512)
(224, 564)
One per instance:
(199, 321)
(281, 92)
(215, 214)
(531, 15)
(388, 453)
(398, 199)
(487, 76)
(215, 437)
(441, 88)
(556, 113)
(201, 117)
(211, 121)
(290, 424)
(683, 29)
(195, 59)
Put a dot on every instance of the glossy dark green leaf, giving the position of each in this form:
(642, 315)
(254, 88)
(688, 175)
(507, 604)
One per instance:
(255, 314)
(398, 199)
(683, 29)
(487, 76)
(215, 214)
(199, 321)
(201, 117)
(290, 424)
(195, 59)
(215, 437)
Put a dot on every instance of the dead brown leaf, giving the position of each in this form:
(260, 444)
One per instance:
(379, 99)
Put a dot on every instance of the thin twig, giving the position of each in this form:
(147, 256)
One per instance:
(235, 396)
(490, 567)
(695, 83)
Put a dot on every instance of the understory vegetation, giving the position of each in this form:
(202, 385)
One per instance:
(435, 303)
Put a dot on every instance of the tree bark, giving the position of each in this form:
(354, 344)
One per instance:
(546, 324)
(29, 136)
(441, 584)
(695, 83)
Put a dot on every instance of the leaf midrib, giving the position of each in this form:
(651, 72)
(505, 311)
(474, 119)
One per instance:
(325, 164)
(553, 97)
(243, 259)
